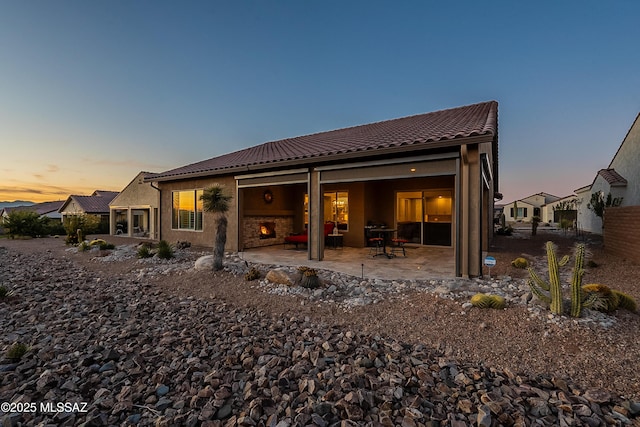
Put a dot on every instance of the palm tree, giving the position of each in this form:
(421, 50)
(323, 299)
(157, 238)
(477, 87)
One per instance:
(214, 200)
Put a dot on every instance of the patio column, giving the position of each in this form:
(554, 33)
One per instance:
(129, 222)
(316, 230)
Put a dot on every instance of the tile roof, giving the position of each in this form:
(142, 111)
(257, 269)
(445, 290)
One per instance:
(612, 177)
(421, 131)
(95, 204)
(39, 208)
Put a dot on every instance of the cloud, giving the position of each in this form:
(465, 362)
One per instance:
(53, 168)
(128, 163)
(38, 176)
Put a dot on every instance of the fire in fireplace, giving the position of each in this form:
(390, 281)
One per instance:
(267, 230)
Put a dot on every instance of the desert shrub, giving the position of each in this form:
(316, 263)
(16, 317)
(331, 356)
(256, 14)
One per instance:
(78, 226)
(84, 246)
(520, 263)
(16, 351)
(144, 251)
(183, 244)
(24, 223)
(165, 251)
(505, 231)
(53, 227)
(5, 292)
(252, 274)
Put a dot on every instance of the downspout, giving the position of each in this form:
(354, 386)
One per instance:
(458, 227)
(465, 209)
(310, 213)
(158, 220)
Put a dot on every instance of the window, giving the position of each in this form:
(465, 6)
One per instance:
(187, 210)
(336, 209)
(520, 213)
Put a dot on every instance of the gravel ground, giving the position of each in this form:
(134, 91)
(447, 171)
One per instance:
(155, 342)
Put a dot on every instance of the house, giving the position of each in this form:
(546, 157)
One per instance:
(432, 176)
(44, 209)
(621, 180)
(525, 209)
(96, 204)
(136, 205)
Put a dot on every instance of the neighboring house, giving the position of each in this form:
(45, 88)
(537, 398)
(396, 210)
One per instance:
(134, 211)
(431, 176)
(96, 204)
(621, 179)
(44, 209)
(564, 208)
(525, 209)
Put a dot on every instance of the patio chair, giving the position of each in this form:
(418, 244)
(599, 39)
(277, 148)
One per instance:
(398, 246)
(376, 246)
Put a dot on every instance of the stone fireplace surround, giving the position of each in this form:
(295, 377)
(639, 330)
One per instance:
(251, 230)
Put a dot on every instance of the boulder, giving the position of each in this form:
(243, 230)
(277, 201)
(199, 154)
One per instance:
(204, 263)
(279, 276)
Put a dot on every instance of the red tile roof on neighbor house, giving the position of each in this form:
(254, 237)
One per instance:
(434, 129)
(612, 177)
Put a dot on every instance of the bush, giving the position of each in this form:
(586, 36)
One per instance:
(252, 274)
(504, 231)
(53, 227)
(5, 292)
(24, 223)
(16, 351)
(86, 224)
(165, 251)
(144, 251)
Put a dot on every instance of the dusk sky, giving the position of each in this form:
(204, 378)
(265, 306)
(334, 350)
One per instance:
(93, 92)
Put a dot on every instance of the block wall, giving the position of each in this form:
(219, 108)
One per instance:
(622, 232)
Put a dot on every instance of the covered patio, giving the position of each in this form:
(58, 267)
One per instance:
(421, 263)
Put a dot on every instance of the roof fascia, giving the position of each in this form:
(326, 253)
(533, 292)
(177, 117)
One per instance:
(478, 139)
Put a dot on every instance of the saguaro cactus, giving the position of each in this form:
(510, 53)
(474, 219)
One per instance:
(576, 282)
(538, 286)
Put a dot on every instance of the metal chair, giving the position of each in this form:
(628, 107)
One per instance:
(376, 246)
(398, 246)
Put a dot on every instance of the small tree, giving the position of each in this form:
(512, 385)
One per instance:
(78, 226)
(214, 200)
(24, 223)
(534, 225)
(599, 203)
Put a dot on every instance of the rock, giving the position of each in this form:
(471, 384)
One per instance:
(279, 276)
(204, 263)
(597, 395)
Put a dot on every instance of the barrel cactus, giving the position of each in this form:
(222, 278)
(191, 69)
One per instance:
(602, 298)
(520, 263)
(252, 274)
(310, 279)
(488, 301)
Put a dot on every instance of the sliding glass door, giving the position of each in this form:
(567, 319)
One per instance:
(425, 217)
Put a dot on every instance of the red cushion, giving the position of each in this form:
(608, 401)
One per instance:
(298, 238)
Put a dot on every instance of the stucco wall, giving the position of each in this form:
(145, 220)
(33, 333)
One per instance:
(204, 238)
(137, 193)
(622, 232)
(627, 163)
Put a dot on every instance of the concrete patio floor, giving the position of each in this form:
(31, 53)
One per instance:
(420, 263)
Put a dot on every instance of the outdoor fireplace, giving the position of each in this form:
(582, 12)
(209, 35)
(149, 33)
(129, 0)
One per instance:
(267, 230)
